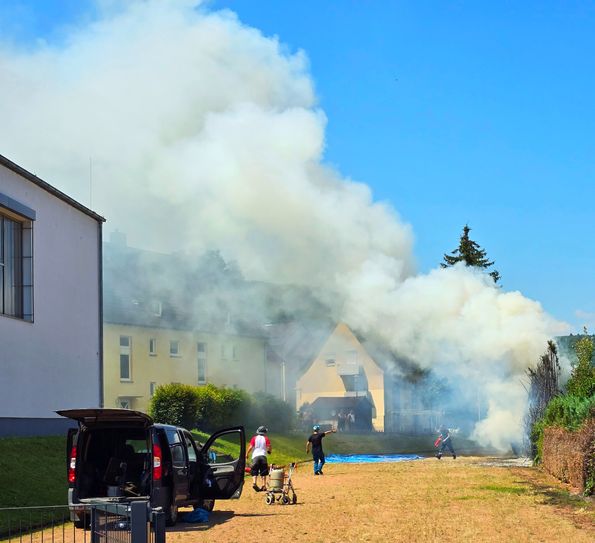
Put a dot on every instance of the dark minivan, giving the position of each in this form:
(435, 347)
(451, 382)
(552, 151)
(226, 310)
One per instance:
(119, 455)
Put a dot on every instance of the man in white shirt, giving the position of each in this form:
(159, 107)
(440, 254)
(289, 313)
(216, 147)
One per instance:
(260, 446)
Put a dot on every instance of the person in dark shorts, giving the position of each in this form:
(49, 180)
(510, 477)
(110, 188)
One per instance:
(315, 441)
(260, 446)
(445, 442)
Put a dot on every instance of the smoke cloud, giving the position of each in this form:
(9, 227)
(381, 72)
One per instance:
(191, 131)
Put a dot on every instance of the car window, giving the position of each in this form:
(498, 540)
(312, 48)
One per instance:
(177, 454)
(224, 449)
(190, 447)
(172, 436)
(138, 445)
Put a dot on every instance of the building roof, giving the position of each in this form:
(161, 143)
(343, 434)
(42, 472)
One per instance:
(49, 188)
(155, 290)
(297, 342)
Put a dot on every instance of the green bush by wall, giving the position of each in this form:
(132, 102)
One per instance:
(210, 408)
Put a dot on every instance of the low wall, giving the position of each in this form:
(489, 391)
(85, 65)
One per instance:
(570, 456)
(13, 427)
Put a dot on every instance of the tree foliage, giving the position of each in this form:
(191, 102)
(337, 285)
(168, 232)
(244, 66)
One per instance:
(543, 387)
(471, 254)
(582, 377)
(174, 404)
(211, 408)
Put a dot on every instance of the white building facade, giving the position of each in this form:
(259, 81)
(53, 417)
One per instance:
(50, 304)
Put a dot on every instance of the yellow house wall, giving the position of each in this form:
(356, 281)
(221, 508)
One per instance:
(322, 380)
(246, 371)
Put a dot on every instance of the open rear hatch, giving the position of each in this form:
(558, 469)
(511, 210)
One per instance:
(111, 455)
(99, 417)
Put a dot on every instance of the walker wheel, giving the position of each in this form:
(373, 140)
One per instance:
(270, 499)
(285, 500)
(294, 500)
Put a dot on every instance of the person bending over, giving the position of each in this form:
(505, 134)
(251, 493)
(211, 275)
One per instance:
(260, 446)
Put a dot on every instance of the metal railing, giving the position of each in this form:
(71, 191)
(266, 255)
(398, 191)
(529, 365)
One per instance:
(133, 522)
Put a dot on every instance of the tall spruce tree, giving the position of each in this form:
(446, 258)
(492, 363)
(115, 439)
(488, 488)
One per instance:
(471, 254)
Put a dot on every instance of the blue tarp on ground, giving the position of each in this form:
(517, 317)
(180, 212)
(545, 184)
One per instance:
(369, 458)
(198, 515)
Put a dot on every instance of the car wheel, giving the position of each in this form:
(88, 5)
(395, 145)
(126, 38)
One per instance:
(171, 514)
(207, 505)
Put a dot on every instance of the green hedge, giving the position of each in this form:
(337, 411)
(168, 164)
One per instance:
(175, 404)
(567, 412)
(210, 408)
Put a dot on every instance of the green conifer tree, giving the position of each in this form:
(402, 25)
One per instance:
(471, 254)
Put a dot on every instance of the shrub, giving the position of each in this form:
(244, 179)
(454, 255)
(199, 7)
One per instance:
(568, 412)
(220, 407)
(274, 413)
(175, 404)
(211, 408)
(582, 378)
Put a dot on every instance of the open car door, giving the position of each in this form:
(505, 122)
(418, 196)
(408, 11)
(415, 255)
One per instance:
(223, 460)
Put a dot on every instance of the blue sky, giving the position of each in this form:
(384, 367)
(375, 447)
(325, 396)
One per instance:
(458, 112)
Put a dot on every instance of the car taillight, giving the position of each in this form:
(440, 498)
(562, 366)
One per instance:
(72, 466)
(156, 463)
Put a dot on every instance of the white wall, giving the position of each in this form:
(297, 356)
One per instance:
(53, 363)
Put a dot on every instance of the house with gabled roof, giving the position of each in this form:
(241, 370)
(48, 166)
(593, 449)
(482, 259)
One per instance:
(343, 369)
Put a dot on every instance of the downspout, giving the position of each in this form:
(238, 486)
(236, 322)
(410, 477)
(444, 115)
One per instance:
(100, 271)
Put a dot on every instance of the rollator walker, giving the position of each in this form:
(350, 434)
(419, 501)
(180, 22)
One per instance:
(280, 488)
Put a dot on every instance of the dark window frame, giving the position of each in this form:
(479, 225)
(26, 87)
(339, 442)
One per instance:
(16, 264)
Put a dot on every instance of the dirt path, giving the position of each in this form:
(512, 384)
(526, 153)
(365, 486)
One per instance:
(449, 500)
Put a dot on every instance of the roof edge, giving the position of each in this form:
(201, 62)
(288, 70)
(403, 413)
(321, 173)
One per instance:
(49, 188)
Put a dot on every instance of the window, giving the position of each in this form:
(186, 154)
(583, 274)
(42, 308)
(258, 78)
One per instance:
(152, 346)
(174, 348)
(351, 358)
(234, 352)
(202, 363)
(155, 308)
(152, 387)
(192, 456)
(202, 371)
(124, 403)
(125, 352)
(330, 359)
(223, 355)
(16, 266)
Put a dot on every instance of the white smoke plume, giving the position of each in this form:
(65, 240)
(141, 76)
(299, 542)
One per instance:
(190, 130)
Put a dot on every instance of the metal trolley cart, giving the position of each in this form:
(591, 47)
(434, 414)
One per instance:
(280, 486)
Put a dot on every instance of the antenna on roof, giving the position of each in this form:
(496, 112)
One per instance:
(90, 183)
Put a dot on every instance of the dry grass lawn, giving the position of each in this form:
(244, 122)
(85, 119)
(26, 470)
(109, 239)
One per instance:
(428, 500)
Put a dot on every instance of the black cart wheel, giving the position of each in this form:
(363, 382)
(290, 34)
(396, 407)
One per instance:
(270, 499)
(286, 499)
